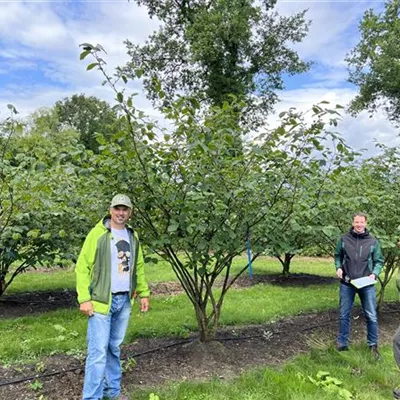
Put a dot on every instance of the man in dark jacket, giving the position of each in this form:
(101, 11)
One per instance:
(357, 255)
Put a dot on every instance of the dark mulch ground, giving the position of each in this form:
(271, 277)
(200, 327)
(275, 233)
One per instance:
(18, 305)
(167, 359)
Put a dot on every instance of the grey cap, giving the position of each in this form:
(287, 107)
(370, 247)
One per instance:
(121, 200)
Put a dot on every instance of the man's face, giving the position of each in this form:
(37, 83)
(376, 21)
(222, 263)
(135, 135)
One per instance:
(359, 224)
(120, 214)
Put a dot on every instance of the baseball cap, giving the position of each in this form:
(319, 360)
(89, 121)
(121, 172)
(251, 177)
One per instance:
(121, 200)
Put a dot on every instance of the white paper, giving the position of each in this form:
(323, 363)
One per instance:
(362, 282)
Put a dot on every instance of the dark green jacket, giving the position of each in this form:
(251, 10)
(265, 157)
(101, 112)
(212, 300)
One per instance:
(93, 268)
(358, 254)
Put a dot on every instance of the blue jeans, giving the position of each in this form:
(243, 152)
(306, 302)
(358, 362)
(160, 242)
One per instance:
(104, 336)
(368, 302)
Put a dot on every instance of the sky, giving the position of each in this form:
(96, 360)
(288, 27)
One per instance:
(39, 57)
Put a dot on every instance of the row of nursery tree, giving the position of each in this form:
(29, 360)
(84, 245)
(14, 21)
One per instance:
(197, 195)
(216, 178)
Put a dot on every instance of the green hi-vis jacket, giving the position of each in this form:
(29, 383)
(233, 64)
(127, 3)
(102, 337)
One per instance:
(93, 268)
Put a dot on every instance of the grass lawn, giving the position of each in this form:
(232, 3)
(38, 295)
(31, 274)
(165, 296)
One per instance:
(354, 372)
(348, 375)
(64, 330)
(54, 279)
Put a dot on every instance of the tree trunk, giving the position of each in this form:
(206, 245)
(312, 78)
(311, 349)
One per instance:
(285, 263)
(207, 326)
(391, 266)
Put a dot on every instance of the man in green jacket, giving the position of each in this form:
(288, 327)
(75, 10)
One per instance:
(109, 270)
(358, 255)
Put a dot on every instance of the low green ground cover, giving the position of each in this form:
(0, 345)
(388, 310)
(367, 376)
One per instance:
(50, 279)
(59, 278)
(29, 337)
(63, 330)
(322, 374)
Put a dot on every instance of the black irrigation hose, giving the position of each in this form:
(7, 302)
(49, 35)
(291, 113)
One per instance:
(30, 378)
(37, 302)
(49, 374)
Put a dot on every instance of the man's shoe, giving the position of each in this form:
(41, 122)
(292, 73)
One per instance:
(396, 393)
(375, 352)
(342, 348)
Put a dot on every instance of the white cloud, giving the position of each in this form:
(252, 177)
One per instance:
(41, 31)
(327, 77)
(27, 99)
(360, 132)
(15, 65)
(364, 132)
(333, 30)
(333, 33)
(32, 25)
(42, 40)
(45, 37)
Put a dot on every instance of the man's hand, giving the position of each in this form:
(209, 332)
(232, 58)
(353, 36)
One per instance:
(87, 308)
(372, 276)
(339, 273)
(144, 304)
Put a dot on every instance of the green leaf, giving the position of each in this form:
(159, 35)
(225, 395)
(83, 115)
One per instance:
(173, 226)
(16, 236)
(316, 109)
(33, 233)
(322, 374)
(59, 328)
(84, 54)
(139, 72)
(151, 260)
(91, 66)
(12, 108)
(120, 97)
(87, 45)
(46, 236)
